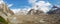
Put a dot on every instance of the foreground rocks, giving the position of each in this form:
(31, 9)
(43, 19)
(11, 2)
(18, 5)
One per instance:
(35, 19)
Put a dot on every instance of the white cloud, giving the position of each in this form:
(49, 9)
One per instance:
(41, 5)
(32, 1)
(9, 5)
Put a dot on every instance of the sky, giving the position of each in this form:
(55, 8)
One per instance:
(26, 5)
(18, 3)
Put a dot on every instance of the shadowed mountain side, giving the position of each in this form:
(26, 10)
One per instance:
(54, 10)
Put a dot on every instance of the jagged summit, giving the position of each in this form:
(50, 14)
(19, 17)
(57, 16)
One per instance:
(35, 12)
(54, 10)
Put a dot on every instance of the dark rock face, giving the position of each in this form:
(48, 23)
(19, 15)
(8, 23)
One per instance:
(31, 12)
(35, 12)
(56, 11)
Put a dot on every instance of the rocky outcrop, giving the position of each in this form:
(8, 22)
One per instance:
(31, 12)
(35, 12)
(5, 11)
(54, 10)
